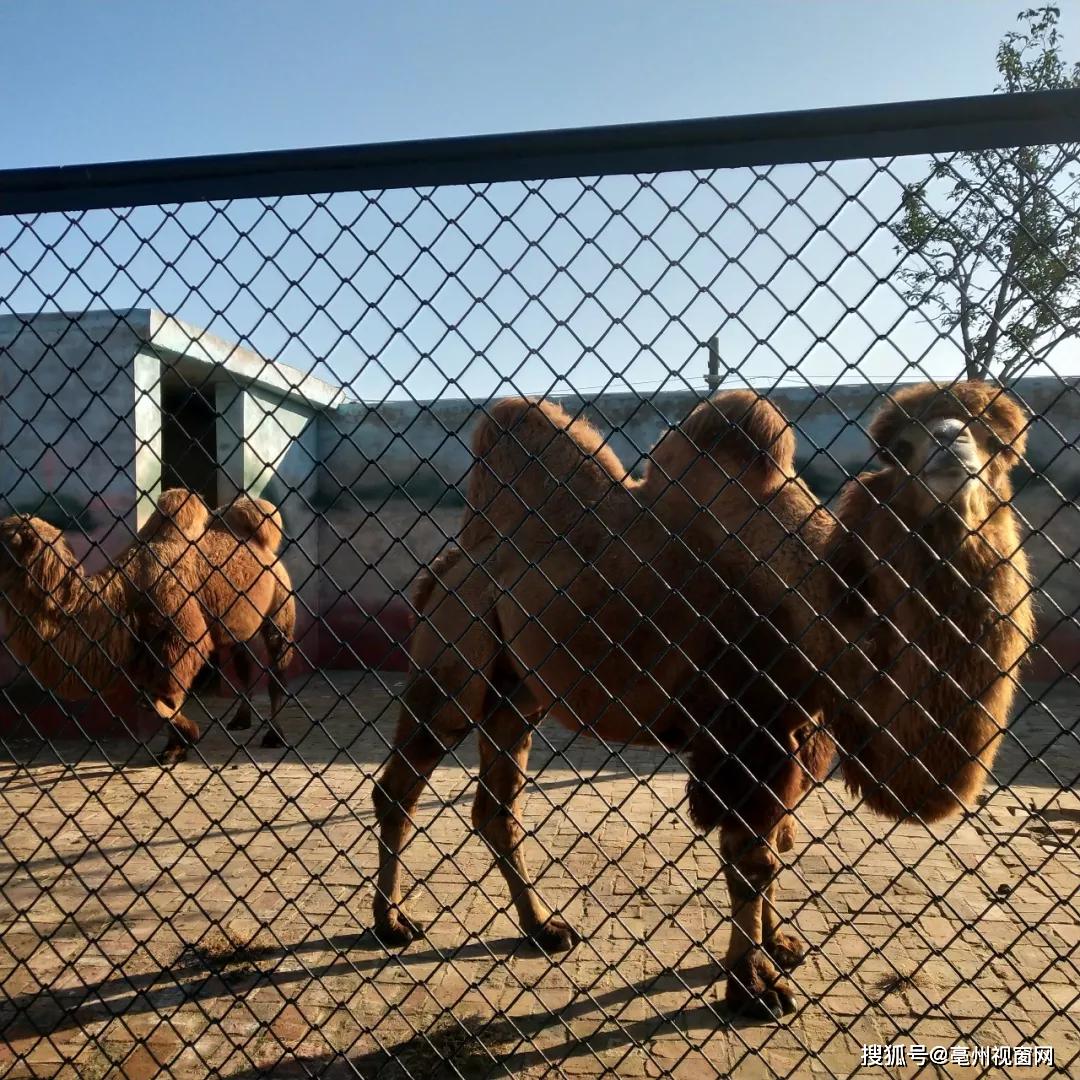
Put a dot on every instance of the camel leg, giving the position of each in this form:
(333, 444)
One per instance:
(811, 751)
(183, 731)
(279, 650)
(208, 681)
(505, 740)
(242, 664)
(416, 752)
(785, 949)
(181, 648)
(754, 986)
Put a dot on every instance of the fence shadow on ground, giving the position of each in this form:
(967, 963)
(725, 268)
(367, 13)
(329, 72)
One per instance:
(203, 973)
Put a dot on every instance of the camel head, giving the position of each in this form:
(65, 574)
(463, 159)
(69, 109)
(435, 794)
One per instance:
(32, 552)
(949, 445)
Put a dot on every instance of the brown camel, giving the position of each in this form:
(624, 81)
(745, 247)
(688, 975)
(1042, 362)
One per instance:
(186, 587)
(715, 608)
(246, 592)
(730, 457)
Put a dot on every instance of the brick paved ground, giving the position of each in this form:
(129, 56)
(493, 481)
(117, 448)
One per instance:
(212, 920)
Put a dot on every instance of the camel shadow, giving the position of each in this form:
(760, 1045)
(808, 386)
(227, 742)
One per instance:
(462, 1043)
(200, 974)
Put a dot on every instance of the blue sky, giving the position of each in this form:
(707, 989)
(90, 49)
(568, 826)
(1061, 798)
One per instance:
(106, 81)
(89, 81)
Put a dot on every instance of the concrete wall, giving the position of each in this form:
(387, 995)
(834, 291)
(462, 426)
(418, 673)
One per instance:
(423, 447)
(393, 476)
(370, 493)
(280, 463)
(67, 406)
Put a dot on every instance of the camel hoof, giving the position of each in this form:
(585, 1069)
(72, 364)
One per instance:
(553, 936)
(273, 741)
(241, 723)
(755, 991)
(785, 835)
(772, 1004)
(398, 929)
(172, 756)
(786, 951)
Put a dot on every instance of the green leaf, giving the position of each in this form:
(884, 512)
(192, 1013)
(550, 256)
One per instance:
(993, 237)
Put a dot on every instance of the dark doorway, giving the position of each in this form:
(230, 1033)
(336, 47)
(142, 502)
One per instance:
(189, 441)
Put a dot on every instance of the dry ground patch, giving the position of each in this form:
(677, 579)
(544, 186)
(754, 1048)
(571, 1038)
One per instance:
(213, 920)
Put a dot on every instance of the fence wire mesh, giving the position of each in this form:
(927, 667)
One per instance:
(302, 491)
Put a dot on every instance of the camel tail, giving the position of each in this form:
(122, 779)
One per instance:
(422, 590)
(281, 631)
(255, 520)
(429, 577)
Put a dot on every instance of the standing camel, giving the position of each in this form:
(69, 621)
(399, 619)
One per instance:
(718, 610)
(187, 586)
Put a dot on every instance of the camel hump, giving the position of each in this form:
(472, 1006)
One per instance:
(536, 427)
(179, 509)
(748, 436)
(746, 426)
(255, 520)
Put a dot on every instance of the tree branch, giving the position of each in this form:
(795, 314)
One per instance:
(1053, 343)
(964, 280)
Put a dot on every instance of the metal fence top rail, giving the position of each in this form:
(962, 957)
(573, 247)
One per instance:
(901, 128)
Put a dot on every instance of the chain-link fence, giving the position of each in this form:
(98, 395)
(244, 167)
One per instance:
(315, 464)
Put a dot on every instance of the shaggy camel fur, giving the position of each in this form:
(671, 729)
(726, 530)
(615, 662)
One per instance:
(717, 609)
(186, 587)
(457, 648)
(245, 592)
(932, 543)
